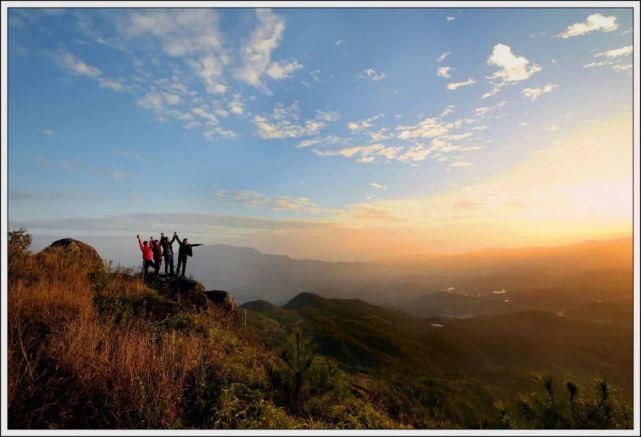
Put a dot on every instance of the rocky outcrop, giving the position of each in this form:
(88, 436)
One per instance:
(222, 299)
(76, 252)
(190, 292)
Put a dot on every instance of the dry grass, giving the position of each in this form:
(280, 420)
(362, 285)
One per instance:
(73, 366)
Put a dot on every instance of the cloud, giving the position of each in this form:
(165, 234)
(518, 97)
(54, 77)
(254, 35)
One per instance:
(442, 56)
(184, 33)
(210, 70)
(192, 222)
(328, 116)
(369, 154)
(378, 186)
(277, 203)
(282, 70)
(512, 68)
(534, 93)
(77, 66)
(495, 89)
(257, 51)
(357, 126)
(595, 22)
(622, 67)
(373, 74)
(611, 59)
(236, 105)
(623, 51)
(462, 164)
(522, 124)
(284, 122)
(338, 42)
(450, 19)
(38, 197)
(331, 139)
(456, 85)
(48, 132)
(113, 85)
(443, 72)
(449, 109)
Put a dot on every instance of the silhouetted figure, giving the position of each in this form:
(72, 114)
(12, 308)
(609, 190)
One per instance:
(157, 249)
(168, 252)
(183, 252)
(147, 256)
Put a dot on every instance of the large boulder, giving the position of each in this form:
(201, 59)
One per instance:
(192, 293)
(75, 252)
(222, 299)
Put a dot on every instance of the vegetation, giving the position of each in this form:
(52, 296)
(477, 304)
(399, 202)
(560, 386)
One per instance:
(89, 347)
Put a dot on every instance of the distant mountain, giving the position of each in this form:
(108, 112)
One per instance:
(501, 350)
(587, 271)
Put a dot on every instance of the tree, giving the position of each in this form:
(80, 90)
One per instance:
(600, 409)
(19, 240)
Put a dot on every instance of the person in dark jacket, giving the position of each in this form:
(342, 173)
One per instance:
(183, 252)
(155, 247)
(147, 256)
(168, 252)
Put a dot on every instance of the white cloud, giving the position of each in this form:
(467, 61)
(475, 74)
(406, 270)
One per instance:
(461, 164)
(356, 126)
(495, 89)
(378, 186)
(447, 111)
(442, 56)
(427, 128)
(78, 66)
(210, 69)
(331, 139)
(236, 105)
(338, 42)
(623, 51)
(284, 122)
(512, 68)
(552, 128)
(48, 132)
(282, 70)
(456, 85)
(328, 116)
(373, 74)
(449, 19)
(622, 67)
(593, 23)
(256, 53)
(443, 72)
(255, 199)
(415, 153)
(111, 84)
(363, 154)
(191, 33)
(534, 93)
(522, 124)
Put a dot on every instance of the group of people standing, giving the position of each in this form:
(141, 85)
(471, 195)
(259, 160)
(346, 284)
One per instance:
(153, 252)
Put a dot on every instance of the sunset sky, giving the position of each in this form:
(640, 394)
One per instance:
(322, 133)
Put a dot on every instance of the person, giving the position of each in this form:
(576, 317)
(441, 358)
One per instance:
(168, 252)
(147, 256)
(155, 246)
(183, 252)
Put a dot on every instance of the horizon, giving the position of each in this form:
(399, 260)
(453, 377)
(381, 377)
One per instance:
(41, 242)
(243, 127)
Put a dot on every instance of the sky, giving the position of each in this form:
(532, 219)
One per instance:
(336, 134)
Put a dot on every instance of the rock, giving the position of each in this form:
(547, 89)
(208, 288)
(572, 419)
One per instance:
(76, 252)
(222, 299)
(190, 292)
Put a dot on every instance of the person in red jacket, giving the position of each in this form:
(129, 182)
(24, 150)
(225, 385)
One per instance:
(147, 256)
